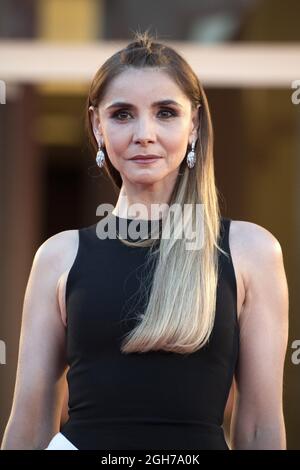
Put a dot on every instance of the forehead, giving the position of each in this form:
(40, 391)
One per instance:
(146, 85)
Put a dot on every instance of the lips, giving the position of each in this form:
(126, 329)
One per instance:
(145, 157)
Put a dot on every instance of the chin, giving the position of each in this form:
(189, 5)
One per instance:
(144, 179)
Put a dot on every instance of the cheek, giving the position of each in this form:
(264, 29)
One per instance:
(177, 136)
(177, 143)
(116, 140)
(176, 146)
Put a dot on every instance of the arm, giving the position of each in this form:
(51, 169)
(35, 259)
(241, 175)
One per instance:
(258, 421)
(38, 395)
(65, 402)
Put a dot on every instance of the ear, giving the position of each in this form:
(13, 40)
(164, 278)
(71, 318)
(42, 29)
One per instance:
(94, 117)
(195, 122)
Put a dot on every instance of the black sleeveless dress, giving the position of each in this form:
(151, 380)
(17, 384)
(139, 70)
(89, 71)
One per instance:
(155, 400)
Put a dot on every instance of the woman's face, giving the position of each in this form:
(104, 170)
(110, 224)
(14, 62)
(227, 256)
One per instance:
(155, 118)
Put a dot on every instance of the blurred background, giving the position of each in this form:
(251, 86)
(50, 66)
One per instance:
(246, 53)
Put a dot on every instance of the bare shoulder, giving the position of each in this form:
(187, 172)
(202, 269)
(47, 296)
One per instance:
(251, 241)
(254, 250)
(58, 249)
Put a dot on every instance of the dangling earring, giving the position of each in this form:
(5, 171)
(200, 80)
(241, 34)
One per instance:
(100, 157)
(191, 156)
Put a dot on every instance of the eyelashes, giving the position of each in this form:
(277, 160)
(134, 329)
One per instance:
(171, 112)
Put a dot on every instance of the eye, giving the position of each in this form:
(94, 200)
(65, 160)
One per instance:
(122, 114)
(170, 111)
(118, 113)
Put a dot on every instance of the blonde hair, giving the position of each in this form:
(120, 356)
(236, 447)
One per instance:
(179, 314)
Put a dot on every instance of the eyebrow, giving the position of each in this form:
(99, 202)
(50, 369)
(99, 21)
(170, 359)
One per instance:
(131, 106)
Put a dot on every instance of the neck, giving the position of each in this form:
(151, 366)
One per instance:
(144, 204)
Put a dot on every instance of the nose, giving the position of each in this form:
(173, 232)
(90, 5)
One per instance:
(144, 130)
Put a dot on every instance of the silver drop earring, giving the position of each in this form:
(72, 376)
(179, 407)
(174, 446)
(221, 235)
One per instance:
(100, 157)
(191, 156)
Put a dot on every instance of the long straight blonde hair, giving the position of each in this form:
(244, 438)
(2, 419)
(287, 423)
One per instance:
(179, 313)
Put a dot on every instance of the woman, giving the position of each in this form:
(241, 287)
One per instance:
(154, 334)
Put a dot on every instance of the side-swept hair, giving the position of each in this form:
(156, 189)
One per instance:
(179, 314)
